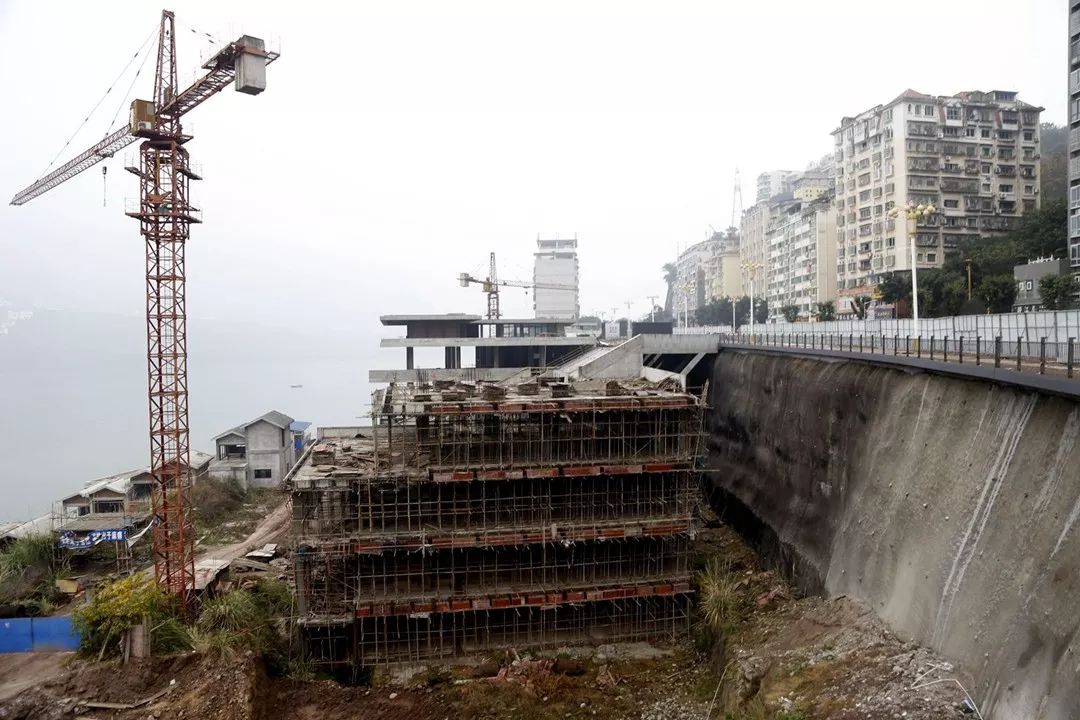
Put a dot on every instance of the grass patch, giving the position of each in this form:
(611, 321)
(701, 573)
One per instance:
(25, 553)
(224, 513)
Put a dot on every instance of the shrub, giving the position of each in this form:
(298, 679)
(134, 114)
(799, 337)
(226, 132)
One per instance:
(244, 619)
(115, 608)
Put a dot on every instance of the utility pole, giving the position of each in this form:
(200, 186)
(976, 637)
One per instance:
(652, 307)
(968, 263)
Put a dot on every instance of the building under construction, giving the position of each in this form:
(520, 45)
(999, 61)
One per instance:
(479, 516)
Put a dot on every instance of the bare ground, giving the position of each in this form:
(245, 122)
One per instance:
(787, 659)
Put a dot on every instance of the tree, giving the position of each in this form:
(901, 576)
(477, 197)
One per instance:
(998, 292)
(1053, 162)
(790, 313)
(714, 312)
(671, 274)
(859, 305)
(761, 310)
(1056, 291)
(826, 311)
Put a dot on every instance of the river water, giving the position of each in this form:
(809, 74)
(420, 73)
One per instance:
(73, 393)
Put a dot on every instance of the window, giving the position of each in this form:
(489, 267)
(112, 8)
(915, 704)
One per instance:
(920, 257)
(969, 132)
(985, 132)
(952, 203)
(931, 257)
(890, 242)
(1029, 136)
(262, 473)
(1005, 188)
(952, 113)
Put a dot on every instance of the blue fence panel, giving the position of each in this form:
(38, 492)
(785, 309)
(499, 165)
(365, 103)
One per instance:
(54, 633)
(16, 635)
(47, 634)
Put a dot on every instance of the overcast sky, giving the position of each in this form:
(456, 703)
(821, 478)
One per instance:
(399, 142)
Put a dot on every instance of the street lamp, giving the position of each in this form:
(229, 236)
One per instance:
(750, 269)
(912, 213)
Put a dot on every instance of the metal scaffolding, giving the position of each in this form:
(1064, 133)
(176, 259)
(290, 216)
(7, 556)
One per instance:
(471, 517)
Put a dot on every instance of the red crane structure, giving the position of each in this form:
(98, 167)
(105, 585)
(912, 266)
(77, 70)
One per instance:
(165, 216)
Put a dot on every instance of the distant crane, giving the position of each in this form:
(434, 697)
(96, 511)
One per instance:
(165, 215)
(491, 285)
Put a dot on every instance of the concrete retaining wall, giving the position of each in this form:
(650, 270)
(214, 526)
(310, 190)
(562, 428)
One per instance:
(948, 505)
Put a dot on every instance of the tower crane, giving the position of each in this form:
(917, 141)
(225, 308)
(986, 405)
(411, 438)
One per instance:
(165, 215)
(491, 285)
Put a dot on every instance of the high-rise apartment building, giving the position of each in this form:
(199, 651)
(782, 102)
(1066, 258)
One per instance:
(691, 289)
(974, 156)
(555, 263)
(753, 247)
(1074, 135)
(773, 183)
(801, 238)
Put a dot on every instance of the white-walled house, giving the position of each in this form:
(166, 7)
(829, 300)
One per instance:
(260, 452)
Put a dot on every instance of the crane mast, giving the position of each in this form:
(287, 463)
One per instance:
(165, 216)
(491, 285)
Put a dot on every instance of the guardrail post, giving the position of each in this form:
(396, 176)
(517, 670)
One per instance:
(860, 342)
(1042, 356)
(850, 342)
(961, 349)
(1019, 350)
(931, 347)
(997, 351)
(895, 345)
(918, 347)
(873, 339)
(830, 342)
(907, 345)
(978, 349)
(1070, 358)
(945, 349)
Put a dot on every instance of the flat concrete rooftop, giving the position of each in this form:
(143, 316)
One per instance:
(488, 341)
(466, 318)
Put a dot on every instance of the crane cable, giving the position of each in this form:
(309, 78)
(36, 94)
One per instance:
(98, 104)
(127, 93)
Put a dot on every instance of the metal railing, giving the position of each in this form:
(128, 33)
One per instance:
(1024, 355)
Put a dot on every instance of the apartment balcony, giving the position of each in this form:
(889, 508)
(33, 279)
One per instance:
(1005, 170)
(1074, 22)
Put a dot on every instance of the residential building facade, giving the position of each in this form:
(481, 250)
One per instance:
(555, 263)
(753, 246)
(773, 183)
(696, 277)
(723, 275)
(802, 244)
(974, 156)
(1074, 135)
